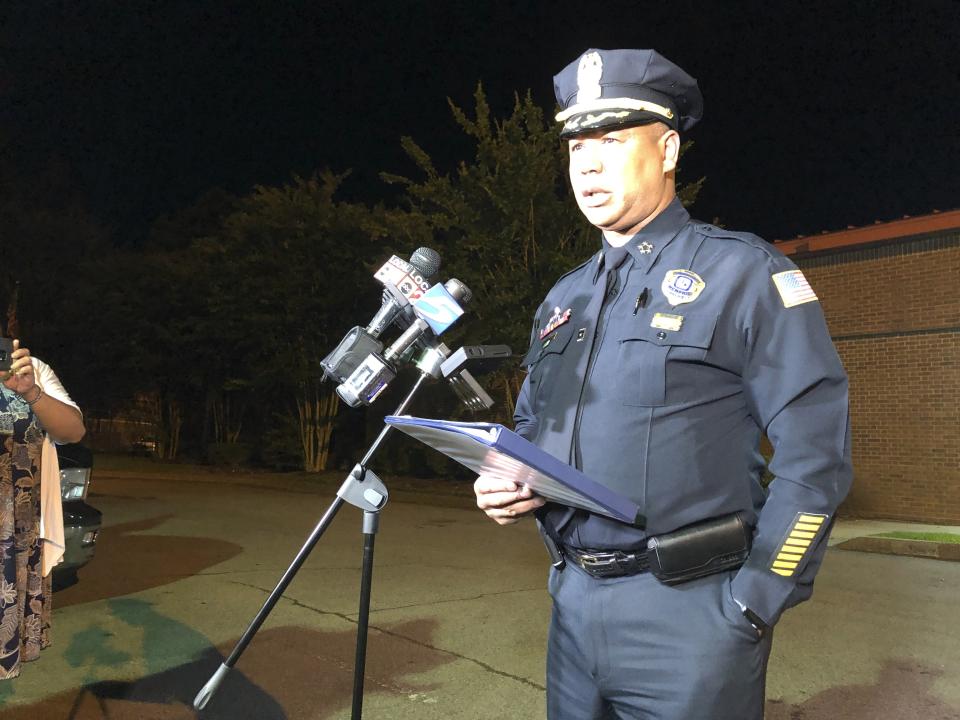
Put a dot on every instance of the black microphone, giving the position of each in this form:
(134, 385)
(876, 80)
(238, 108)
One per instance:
(403, 281)
(483, 358)
(437, 310)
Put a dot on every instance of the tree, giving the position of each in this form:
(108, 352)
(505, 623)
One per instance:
(135, 326)
(200, 330)
(287, 270)
(46, 231)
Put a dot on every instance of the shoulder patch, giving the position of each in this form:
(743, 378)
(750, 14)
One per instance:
(793, 288)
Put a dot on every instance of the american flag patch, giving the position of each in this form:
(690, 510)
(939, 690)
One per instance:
(793, 288)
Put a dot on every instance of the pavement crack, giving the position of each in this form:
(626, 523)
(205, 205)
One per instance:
(297, 603)
(420, 643)
(479, 663)
(277, 570)
(457, 599)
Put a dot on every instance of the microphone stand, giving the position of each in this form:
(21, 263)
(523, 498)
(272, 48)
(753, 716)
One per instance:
(366, 491)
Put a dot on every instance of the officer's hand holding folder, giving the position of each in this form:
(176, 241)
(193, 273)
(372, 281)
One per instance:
(491, 449)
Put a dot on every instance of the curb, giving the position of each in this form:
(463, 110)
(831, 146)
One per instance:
(909, 548)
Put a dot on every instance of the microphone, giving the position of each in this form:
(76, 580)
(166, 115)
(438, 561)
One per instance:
(482, 358)
(402, 281)
(435, 311)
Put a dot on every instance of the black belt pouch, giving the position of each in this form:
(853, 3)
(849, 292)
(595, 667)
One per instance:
(701, 549)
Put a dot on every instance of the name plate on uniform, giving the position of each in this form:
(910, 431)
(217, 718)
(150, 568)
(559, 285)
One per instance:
(665, 321)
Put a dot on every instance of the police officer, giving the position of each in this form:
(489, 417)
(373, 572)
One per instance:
(655, 367)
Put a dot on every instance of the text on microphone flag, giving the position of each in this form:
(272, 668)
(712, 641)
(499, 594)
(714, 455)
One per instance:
(400, 274)
(438, 308)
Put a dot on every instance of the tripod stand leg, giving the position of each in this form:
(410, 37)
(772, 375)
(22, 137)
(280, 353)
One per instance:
(207, 691)
(371, 522)
(361, 488)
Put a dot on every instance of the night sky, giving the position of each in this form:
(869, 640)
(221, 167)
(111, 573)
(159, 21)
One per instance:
(818, 115)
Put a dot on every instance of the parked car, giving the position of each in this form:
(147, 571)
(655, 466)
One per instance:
(144, 446)
(81, 522)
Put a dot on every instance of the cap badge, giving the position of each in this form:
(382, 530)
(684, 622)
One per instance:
(556, 320)
(645, 248)
(682, 286)
(589, 73)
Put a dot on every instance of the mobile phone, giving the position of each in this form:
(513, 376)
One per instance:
(6, 350)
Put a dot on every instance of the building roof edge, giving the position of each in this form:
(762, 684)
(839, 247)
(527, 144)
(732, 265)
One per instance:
(871, 234)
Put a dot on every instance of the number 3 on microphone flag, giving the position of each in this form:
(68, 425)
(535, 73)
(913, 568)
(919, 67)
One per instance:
(438, 308)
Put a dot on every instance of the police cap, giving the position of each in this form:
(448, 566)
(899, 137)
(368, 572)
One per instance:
(610, 88)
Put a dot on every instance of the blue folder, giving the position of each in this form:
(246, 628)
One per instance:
(492, 449)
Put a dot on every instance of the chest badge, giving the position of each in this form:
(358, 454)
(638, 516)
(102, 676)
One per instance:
(682, 286)
(556, 320)
(645, 248)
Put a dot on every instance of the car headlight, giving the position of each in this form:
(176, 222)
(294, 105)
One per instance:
(74, 483)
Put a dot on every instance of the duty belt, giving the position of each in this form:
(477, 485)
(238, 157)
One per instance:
(607, 563)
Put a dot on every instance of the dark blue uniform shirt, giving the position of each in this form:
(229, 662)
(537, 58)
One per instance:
(706, 339)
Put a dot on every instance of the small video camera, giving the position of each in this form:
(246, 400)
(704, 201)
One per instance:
(6, 351)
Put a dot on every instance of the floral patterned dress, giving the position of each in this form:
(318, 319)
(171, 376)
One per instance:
(24, 593)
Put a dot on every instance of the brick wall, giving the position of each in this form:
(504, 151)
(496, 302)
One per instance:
(894, 314)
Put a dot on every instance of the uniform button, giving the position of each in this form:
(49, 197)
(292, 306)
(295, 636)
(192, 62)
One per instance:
(661, 335)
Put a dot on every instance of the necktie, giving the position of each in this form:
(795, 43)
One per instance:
(613, 258)
(566, 443)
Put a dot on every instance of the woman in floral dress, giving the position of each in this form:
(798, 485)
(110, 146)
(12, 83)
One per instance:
(32, 403)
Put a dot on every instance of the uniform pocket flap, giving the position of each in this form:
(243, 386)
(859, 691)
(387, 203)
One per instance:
(695, 331)
(554, 342)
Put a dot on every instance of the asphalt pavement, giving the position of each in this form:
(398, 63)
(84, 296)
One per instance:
(458, 613)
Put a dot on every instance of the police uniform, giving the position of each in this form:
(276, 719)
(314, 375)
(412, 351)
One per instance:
(657, 377)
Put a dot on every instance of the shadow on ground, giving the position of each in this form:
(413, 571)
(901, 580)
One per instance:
(127, 563)
(286, 674)
(902, 692)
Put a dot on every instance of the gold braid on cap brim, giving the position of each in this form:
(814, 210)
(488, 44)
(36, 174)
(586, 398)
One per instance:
(614, 104)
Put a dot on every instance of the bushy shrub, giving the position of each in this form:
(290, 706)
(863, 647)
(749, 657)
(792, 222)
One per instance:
(230, 454)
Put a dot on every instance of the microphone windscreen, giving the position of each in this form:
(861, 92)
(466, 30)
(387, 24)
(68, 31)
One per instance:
(426, 260)
(459, 291)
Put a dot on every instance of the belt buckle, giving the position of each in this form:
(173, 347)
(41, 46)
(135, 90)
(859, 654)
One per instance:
(599, 566)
